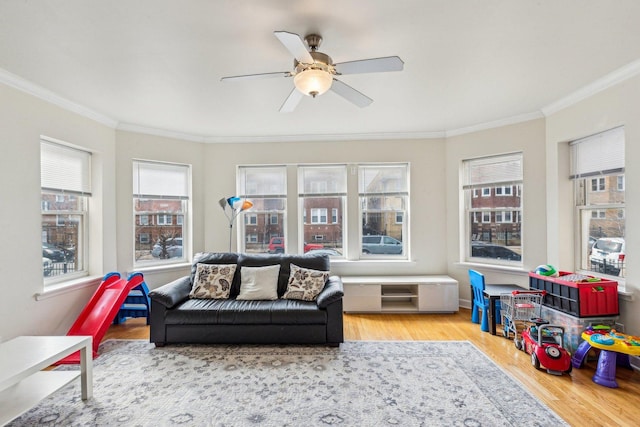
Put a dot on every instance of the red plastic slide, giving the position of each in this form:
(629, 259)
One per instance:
(100, 311)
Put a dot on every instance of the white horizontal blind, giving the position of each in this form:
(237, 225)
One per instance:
(262, 181)
(384, 180)
(155, 180)
(322, 180)
(64, 169)
(494, 170)
(600, 154)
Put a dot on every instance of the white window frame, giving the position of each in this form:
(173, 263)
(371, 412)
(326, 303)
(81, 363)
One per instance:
(502, 173)
(66, 170)
(600, 158)
(376, 190)
(319, 216)
(155, 181)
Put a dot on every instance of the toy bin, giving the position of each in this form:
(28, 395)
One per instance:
(574, 326)
(578, 294)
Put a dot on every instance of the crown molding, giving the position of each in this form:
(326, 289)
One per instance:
(615, 77)
(33, 89)
(624, 73)
(131, 127)
(496, 123)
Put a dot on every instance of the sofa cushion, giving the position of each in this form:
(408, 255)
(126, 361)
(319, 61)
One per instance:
(315, 262)
(212, 281)
(259, 283)
(304, 283)
(233, 312)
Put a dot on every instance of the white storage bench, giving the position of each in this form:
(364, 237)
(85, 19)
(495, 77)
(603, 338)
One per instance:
(400, 294)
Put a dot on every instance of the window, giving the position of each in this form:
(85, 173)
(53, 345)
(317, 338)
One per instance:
(164, 219)
(597, 184)
(503, 190)
(322, 189)
(497, 240)
(65, 179)
(384, 193)
(160, 191)
(251, 219)
(319, 216)
(399, 217)
(266, 188)
(597, 164)
(486, 192)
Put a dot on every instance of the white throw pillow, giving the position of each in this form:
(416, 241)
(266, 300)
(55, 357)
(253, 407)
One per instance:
(259, 283)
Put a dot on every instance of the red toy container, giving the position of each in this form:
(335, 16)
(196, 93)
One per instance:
(580, 299)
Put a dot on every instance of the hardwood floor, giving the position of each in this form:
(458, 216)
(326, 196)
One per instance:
(575, 397)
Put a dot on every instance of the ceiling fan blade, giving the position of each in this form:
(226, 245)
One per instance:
(373, 65)
(350, 94)
(295, 45)
(292, 101)
(257, 76)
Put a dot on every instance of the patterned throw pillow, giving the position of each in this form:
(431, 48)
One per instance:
(213, 281)
(305, 284)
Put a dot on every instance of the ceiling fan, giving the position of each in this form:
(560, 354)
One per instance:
(314, 72)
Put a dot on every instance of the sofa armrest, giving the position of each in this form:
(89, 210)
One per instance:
(332, 292)
(172, 293)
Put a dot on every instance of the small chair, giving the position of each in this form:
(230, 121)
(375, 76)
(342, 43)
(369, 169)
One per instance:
(480, 302)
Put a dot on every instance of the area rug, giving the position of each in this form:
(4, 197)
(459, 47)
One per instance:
(362, 383)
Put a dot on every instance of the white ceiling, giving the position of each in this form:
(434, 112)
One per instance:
(156, 64)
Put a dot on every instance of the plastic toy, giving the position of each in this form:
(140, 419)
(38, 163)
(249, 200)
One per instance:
(102, 308)
(546, 270)
(615, 349)
(544, 343)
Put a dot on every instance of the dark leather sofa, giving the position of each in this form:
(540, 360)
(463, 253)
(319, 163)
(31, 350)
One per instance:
(175, 318)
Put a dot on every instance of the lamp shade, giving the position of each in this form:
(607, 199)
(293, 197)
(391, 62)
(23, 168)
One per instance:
(313, 82)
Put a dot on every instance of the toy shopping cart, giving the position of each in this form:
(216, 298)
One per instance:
(519, 308)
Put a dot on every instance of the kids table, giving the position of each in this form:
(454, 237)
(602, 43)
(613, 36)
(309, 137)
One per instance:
(615, 349)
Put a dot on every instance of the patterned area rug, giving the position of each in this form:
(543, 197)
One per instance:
(362, 383)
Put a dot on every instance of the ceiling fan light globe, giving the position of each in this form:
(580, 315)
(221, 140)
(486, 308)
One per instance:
(313, 82)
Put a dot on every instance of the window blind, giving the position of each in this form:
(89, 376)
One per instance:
(64, 169)
(155, 180)
(322, 180)
(379, 180)
(262, 182)
(600, 154)
(492, 171)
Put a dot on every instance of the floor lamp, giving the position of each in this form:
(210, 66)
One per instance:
(232, 207)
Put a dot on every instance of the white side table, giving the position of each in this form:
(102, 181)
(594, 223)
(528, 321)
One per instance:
(23, 383)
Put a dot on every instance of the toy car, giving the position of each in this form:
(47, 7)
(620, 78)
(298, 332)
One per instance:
(544, 343)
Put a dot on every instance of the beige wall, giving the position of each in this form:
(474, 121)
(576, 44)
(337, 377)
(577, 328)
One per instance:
(427, 195)
(23, 119)
(528, 138)
(130, 146)
(435, 198)
(610, 108)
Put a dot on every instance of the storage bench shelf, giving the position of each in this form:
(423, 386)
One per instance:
(400, 294)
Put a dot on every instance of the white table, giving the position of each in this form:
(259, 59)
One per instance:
(23, 383)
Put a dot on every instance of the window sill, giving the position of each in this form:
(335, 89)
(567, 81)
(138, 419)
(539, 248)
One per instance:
(162, 268)
(519, 270)
(68, 286)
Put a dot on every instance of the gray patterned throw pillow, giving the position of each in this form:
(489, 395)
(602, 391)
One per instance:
(213, 281)
(305, 284)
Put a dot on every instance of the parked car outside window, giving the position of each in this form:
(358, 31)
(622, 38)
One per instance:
(173, 249)
(47, 266)
(607, 255)
(381, 245)
(53, 253)
(493, 251)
